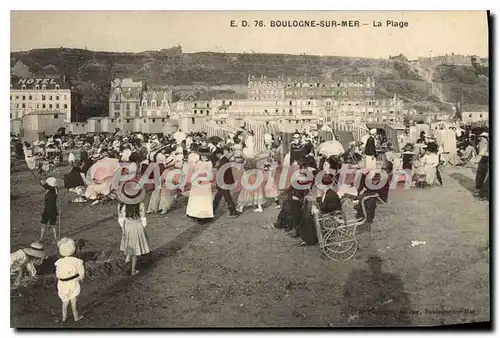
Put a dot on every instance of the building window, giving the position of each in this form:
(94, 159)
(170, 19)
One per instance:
(44, 87)
(23, 87)
(128, 120)
(57, 87)
(230, 103)
(162, 120)
(195, 111)
(50, 98)
(43, 106)
(308, 103)
(17, 97)
(192, 120)
(207, 112)
(50, 106)
(117, 106)
(24, 97)
(30, 97)
(24, 105)
(57, 105)
(65, 106)
(195, 105)
(470, 115)
(56, 116)
(128, 106)
(154, 120)
(57, 98)
(290, 103)
(480, 116)
(153, 103)
(37, 105)
(37, 87)
(43, 97)
(208, 105)
(117, 98)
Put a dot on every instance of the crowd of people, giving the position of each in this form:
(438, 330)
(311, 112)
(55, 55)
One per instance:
(195, 166)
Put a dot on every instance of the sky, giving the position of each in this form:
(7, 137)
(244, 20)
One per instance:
(427, 33)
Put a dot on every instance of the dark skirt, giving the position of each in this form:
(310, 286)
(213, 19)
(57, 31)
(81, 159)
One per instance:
(407, 161)
(290, 215)
(307, 228)
(49, 214)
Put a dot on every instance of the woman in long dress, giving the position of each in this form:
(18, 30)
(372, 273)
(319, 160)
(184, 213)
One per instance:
(428, 164)
(132, 220)
(200, 196)
(252, 192)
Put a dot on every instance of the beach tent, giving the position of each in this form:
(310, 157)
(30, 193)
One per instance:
(390, 134)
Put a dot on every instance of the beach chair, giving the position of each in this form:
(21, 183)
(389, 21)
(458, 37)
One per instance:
(337, 235)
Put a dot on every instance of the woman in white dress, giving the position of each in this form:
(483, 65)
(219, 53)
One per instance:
(200, 203)
(428, 164)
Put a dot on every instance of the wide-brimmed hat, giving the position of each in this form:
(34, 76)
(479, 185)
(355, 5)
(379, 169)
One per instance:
(97, 157)
(36, 249)
(204, 151)
(373, 131)
(130, 192)
(484, 134)
(66, 246)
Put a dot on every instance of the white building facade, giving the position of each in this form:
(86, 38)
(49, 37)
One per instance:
(40, 95)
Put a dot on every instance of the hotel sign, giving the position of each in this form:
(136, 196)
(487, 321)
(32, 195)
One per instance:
(37, 81)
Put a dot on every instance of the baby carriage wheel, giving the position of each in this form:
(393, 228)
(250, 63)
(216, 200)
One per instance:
(340, 245)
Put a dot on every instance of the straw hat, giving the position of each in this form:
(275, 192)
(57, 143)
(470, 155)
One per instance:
(36, 249)
(204, 151)
(373, 131)
(484, 134)
(66, 246)
(97, 157)
(131, 192)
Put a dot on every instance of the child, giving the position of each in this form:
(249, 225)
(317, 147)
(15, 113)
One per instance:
(270, 187)
(132, 220)
(70, 272)
(49, 214)
(26, 260)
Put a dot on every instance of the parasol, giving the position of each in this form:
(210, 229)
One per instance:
(331, 148)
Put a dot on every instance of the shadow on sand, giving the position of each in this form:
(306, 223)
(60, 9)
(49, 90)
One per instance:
(466, 182)
(375, 298)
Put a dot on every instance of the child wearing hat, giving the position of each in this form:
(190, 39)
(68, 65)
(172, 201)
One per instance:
(69, 272)
(49, 214)
(25, 260)
(132, 220)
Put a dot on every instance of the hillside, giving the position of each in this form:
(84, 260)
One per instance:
(92, 72)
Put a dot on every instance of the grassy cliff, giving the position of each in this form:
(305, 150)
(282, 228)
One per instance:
(197, 73)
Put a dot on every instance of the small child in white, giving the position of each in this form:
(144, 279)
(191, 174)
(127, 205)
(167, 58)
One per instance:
(70, 272)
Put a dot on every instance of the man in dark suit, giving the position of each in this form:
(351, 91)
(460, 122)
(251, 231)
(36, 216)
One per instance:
(371, 151)
(223, 156)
